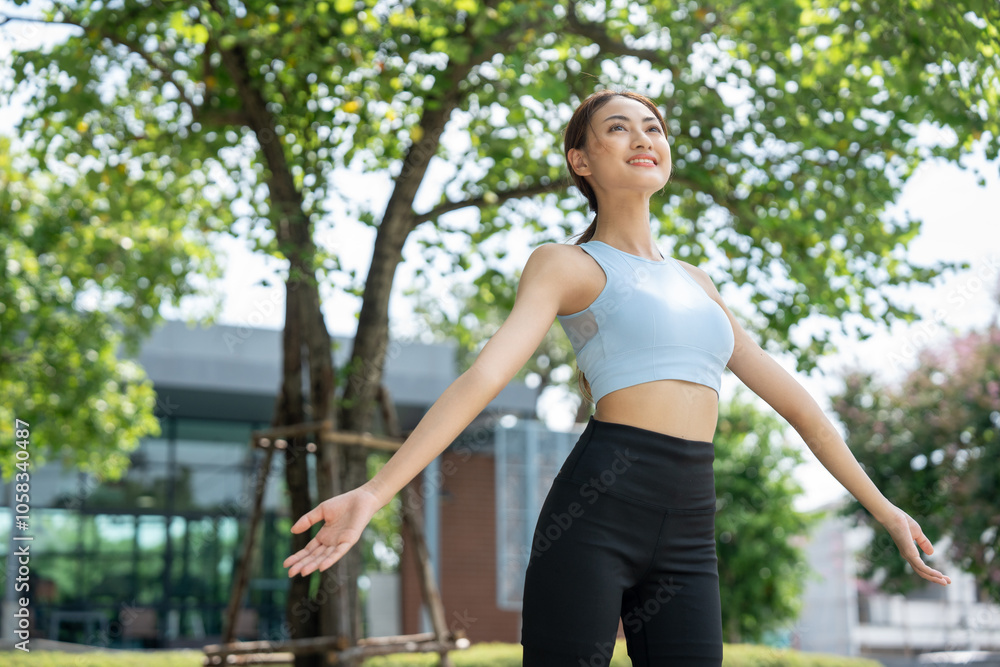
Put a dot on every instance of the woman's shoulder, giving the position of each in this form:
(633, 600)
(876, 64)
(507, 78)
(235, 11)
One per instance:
(563, 254)
(552, 262)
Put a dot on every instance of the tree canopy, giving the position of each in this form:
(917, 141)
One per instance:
(792, 128)
(87, 263)
(930, 443)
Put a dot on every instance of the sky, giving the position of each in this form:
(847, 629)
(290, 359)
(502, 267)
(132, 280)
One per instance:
(961, 223)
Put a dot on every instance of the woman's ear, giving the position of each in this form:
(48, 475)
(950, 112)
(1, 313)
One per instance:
(578, 161)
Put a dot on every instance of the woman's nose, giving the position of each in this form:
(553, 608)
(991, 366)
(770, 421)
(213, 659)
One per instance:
(639, 139)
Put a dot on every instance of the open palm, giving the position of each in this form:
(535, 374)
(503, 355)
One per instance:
(345, 517)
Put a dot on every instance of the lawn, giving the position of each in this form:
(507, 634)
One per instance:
(479, 655)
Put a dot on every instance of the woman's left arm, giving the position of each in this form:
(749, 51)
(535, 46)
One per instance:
(766, 378)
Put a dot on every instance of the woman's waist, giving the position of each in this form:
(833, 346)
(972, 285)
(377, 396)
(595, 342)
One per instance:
(672, 407)
(632, 462)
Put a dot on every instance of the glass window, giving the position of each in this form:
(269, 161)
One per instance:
(212, 477)
(215, 430)
(148, 578)
(96, 557)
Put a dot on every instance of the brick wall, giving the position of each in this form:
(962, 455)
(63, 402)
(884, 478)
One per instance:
(468, 553)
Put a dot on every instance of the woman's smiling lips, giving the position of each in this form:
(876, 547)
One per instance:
(642, 161)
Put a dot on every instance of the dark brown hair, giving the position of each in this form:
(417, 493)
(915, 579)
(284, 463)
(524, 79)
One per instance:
(575, 136)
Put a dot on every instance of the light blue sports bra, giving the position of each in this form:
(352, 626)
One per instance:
(652, 321)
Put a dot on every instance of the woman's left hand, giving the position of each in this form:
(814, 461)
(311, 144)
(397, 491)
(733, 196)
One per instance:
(905, 531)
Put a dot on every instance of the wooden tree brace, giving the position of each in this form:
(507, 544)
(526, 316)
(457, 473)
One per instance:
(441, 640)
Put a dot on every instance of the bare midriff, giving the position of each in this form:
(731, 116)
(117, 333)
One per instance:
(675, 407)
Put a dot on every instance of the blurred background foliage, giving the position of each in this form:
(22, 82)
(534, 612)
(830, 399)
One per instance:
(931, 442)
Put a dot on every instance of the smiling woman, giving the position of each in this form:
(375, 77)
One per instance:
(627, 531)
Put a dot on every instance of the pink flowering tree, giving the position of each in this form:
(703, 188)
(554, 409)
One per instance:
(932, 445)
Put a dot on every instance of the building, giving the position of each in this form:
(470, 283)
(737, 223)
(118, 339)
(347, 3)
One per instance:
(843, 615)
(147, 561)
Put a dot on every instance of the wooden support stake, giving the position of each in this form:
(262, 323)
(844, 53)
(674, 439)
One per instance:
(441, 640)
(325, 432)
(242, 574)
(284, 652)
(365, 439)
(308, 645)
(292, 430)
(411, 517)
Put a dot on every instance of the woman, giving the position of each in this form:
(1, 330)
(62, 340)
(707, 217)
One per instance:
(627, 529)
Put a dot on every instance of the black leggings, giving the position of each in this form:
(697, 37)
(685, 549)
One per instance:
(626, 532)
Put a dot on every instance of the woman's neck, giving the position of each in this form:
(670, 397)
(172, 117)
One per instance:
(624, 224)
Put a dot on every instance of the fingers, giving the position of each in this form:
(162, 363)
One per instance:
(926, 571)
(932, 575)
(304, 552)
(919, 566)
(921, 539)
(303, 559)
(912, 556)
(319, 559)
(335, 556)
(308, 519)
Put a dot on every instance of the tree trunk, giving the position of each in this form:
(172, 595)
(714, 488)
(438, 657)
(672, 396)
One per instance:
(734, 631)
(339, 468)
(301, 621)
(371, 340)
(335, 610)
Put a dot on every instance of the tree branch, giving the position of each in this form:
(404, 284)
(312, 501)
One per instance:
(500, 197)
(221, 118)
(128, 44)
(291, 222)
(596, 34)
(6, 18)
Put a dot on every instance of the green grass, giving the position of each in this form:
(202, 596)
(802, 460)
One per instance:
(479, 655)
(101, 659)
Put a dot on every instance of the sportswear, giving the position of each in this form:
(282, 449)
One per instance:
(626, 533)
(652, 321)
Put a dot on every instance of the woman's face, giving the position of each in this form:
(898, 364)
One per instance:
(626, 149)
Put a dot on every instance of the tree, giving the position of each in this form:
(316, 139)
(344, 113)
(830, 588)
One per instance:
(267, 101)
(762, 565)
(86, 263)
(931, 443)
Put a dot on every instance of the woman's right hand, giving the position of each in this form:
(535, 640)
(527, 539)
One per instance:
(345, 517)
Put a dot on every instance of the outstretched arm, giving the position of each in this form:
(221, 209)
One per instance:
(345, 516)
(506, 352)
(766, 378)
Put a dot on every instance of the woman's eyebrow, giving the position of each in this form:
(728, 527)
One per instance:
(620, 117)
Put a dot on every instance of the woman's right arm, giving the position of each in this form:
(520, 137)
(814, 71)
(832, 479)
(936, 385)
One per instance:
(505, 353)
(539, 293)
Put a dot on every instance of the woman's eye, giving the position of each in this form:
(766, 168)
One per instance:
(654, 129)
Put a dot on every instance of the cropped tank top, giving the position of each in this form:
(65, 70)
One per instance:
(652, 321)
